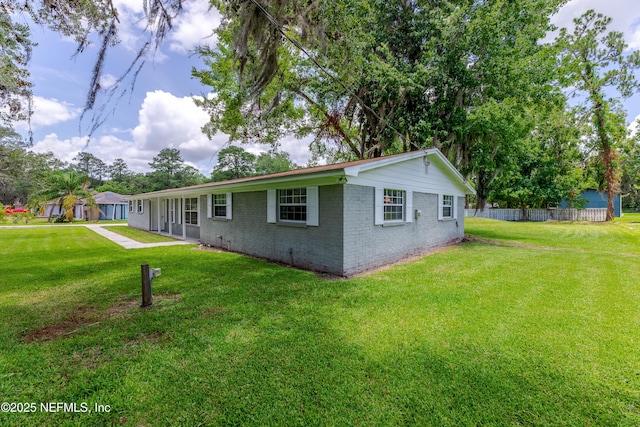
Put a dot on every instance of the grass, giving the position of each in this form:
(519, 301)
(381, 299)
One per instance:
(139, 235)
(45, 221)
(619, 237)
(476, 334)
(629, 217)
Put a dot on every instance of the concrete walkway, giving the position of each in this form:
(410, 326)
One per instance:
(128, 243)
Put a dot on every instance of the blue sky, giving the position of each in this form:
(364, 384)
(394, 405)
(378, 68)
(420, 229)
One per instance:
(160, 113)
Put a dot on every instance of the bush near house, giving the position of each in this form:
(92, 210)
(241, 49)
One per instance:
(15, 215)
(531, 324)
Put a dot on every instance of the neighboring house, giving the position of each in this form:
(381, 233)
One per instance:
(109, 206)
(112, 206)
(54, 209)
(342, 219)
(597, 199)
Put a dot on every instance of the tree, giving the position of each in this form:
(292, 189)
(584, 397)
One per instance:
(274, 162)
(630, 182)
(546, 166)
(10, 138)
(23, 172)
(119, 170)
(15, 52)
(593, 60)
(170, 171)
(391, 77)
(63, 189)
(233, 162)
(91, 166)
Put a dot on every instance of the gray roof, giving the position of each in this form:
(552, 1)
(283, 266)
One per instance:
(110, 198)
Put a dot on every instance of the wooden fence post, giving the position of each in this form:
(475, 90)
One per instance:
(146, 286)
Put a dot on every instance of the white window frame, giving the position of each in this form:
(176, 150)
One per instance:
(293, 198)
(312, 206)
(447, 201)
(191, 210)
(172, 210)
(390, 200)
(379, 206)
(217, 201)
(140, 207)
(131, 206)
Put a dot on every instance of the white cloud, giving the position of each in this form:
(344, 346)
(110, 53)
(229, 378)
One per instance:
(633, 37)
(131, 29)
(167, 121)
(47, 112)
(164, 121)
(194, 27)
(624, 14)
(107, 81)
(64, 149)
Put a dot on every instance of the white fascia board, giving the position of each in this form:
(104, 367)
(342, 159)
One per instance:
(302, 180)
(326, 178)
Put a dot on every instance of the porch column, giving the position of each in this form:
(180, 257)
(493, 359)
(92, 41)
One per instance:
(170, 219)
(184, 223)
(158, 215)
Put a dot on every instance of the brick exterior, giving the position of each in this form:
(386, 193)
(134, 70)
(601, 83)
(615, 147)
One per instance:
(368, 246)
(346, 242)
(316, 248)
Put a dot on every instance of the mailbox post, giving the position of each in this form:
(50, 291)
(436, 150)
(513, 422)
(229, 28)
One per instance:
(147, 276)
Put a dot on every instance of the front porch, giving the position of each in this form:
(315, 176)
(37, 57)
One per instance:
(175, 217)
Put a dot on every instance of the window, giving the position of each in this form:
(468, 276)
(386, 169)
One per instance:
(393, 205)
(219, 205)
(172, 208)
(447, 206)
(140, 206)
(292, 205)
(130, 205)
(191, 211)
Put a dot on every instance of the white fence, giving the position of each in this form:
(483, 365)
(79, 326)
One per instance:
(589, 214)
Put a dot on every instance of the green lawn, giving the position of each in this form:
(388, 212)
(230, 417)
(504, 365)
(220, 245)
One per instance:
(139, 235)
(45, 221)
(476, 334)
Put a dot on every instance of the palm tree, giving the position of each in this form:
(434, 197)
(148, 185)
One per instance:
(63, 189)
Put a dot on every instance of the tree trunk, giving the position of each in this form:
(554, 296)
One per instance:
(608, 155)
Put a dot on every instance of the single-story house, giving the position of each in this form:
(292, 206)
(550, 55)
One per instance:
(109, 206)
(598, 199)
(112, 206)
(342, 219)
